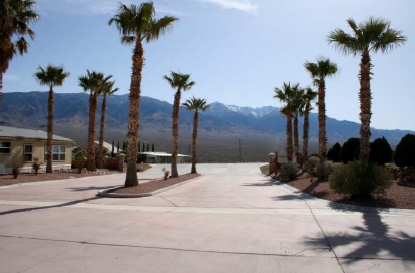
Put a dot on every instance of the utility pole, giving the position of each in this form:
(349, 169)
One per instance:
(240, 151)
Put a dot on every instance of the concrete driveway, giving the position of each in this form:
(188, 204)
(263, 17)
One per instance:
(232, 219)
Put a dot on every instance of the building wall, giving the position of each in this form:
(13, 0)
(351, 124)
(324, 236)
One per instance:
(16, 154)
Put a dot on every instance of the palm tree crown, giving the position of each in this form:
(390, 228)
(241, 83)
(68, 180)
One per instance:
(196, 104)
(320, 70)
(51, 75)
(178, 80)
(138, 23)
(375, 34)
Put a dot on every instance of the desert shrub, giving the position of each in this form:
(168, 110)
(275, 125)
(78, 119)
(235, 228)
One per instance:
(350, 150)
(15, 171)
(405, 152)
(334, 153)
(380, 151)
(36, 165)
(311, 165)
(360, 179)
(324, 169)
(288, 171)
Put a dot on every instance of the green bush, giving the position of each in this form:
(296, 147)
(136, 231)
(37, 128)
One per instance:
(405, 152)
(350, 150)
(324, 169)
(360, 179)
(380, 151)
(311, 165)
(334, 153)
(288, 171)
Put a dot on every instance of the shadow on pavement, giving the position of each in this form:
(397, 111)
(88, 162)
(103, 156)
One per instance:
(49, 207)
(90, 188)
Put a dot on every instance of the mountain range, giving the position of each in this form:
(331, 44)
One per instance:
(261, 130)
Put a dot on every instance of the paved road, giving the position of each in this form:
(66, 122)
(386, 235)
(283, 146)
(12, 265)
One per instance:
(232, 219)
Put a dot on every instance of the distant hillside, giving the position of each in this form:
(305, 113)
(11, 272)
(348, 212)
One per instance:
(261, 130)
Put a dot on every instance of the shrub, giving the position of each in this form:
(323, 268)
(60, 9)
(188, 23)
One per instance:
(15, 171)
(334, 153)
(380, 151)
(80, 154)
(405, 152)
(360, 179)
(36, 165)
(311, 165)
(350, 150)
(324, 169)
(288, 171)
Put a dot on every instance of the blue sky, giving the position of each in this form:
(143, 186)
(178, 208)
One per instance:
(237, 51)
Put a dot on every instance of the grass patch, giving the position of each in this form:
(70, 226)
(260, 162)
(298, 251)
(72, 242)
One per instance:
(264, 169)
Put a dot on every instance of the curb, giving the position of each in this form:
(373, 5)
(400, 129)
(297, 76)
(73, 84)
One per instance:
(105, 193)
(339, 206)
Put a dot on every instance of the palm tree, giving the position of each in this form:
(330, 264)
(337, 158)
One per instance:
(107, 90)
(181, 82)
(285, 94)
(319, 71)
(296, 111)
(308, 97)
(51, 76)
(374, 35)
(93, 82)
(15, 16)
(137, 24)
(196, 105)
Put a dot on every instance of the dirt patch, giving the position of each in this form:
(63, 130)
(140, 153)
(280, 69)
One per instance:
(154, 185)
(58, 175)
(396, 196)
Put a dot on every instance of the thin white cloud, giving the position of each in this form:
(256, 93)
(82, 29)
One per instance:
(10, 77)
(91, 7)
(243, 5)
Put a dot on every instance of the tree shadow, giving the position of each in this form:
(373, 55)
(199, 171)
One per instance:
(90, 188)
(371, 240)
(261, 184)
(49, 207)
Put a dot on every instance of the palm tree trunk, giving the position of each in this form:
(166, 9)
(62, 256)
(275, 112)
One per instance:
(296, 145)
(101, 131)
(194, 141)
(365, 97)
(322, 139)
(289, 149)
(91, 135)
(131, 179)
(175, 130)
(50, 132)
(305, 133)
(1, 84)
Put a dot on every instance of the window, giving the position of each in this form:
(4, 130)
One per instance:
(58, 153)
(5, 147)
(27, 152)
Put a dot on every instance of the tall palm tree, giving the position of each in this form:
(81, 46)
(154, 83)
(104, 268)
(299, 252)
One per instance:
(94, 82)
(196, 105)
(15, 17)
(319, 71)
(51, 76)
(296, 111)
(137, 24)
(308, 97)
(107, 90)
(373, 35)
(285, 94)
(181, 82)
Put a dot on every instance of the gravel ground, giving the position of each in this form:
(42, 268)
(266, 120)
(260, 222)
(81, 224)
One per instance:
(397, 196)
(155, 185)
